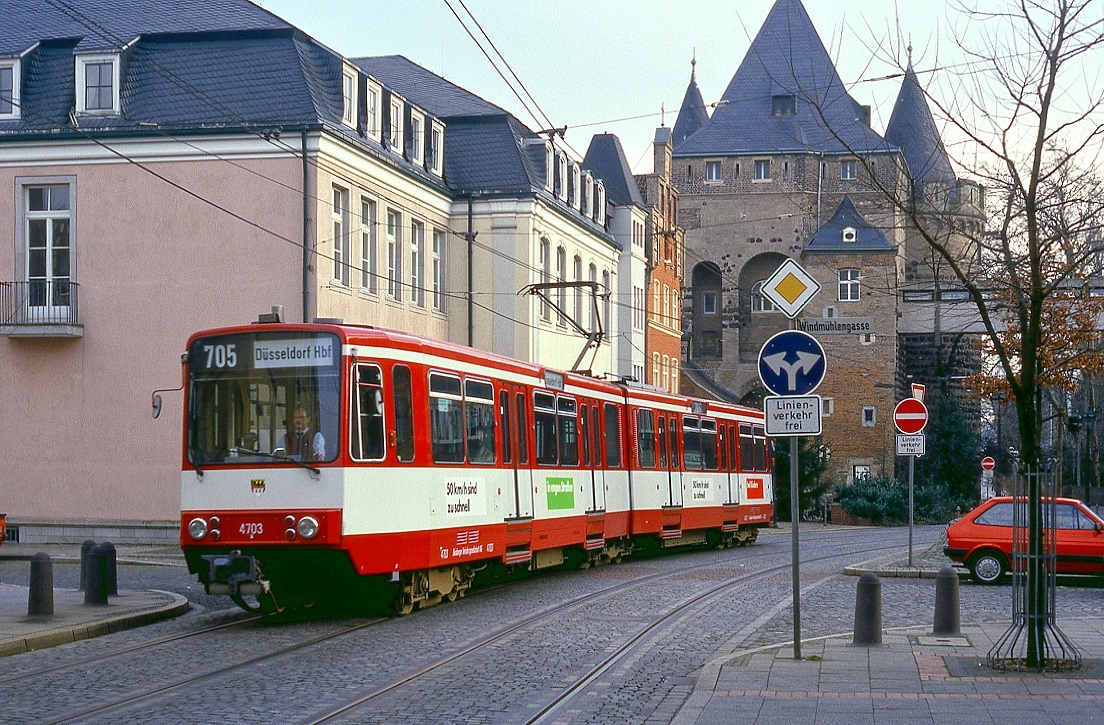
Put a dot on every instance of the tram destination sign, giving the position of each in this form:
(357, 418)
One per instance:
(792, 415)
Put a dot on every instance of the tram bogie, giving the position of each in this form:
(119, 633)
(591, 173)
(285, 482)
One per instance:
(352, 467)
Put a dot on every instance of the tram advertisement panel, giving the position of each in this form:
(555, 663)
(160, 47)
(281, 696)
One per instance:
(262, 396)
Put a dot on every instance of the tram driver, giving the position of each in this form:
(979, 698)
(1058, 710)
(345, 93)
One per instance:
(304, 441)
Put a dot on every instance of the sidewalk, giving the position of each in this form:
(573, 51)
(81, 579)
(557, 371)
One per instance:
(73, 620)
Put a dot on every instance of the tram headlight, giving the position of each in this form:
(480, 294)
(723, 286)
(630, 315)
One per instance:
(308, 527)
(197, 528)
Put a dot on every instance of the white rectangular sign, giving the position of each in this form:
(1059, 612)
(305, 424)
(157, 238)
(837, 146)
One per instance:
(910, 445)
(299, 353)
(792, 415)
(837, 325)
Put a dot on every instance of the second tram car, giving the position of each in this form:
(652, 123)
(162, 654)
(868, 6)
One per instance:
(354, 466)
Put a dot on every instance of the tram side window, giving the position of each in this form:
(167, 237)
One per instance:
(673, 438)
(479, 420)
(507, 429)
(612, 440)
(584, 434)
(596, 434)
(569, 433)
(709, 444)
(368, 434)
(733, 463)
(404, 413)
(691, 444)
(747, 446)
(645, 436)
(544, 420)
(446, 418)
(760, 448)
(522, 429)
(662, 428)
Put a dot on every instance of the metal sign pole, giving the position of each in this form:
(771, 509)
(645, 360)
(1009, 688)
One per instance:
(912, 462)
(794, 517)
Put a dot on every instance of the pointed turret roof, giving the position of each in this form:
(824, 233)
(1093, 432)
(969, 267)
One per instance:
(786, 59)
(605, 158)
(913, 129)
(830, 237)
(692, 113)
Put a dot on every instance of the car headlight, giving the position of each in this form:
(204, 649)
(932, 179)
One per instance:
(197, 528)
(308, 527)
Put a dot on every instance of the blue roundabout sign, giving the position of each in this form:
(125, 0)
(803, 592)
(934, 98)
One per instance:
(792, 363)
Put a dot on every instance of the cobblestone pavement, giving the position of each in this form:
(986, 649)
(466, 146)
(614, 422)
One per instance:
(685, 671)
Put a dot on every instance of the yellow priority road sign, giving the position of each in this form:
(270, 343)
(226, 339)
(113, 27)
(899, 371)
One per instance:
(790, 288)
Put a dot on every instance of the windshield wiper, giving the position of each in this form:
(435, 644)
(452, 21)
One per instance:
(285, 459)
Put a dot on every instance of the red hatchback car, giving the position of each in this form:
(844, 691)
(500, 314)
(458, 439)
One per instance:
(982, 539)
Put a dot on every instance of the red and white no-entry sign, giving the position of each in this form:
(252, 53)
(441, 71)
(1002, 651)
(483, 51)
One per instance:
(988, 463)
(910, 416)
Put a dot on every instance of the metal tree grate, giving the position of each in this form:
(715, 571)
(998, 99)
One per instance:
(1034, 642)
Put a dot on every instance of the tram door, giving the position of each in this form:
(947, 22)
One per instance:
(674, 477)
(733, 477)
(592, 446)
(516, 426)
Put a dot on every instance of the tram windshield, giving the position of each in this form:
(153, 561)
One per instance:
(263, 396)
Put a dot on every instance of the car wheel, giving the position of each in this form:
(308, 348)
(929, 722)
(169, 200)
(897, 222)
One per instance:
(987, 567)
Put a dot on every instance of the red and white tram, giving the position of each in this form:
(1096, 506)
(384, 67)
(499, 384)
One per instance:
(427, 462)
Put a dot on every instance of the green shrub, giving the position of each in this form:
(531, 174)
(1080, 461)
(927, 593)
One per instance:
(885, 501)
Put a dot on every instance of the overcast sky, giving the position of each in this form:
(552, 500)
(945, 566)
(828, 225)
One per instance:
(591, 63)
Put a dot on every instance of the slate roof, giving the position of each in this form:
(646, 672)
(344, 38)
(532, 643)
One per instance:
(692, 113)
(829, 238)
(424, 88)
(912, 128)
(786, 58)
(605, 158)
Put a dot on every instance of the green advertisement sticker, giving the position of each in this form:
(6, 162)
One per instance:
(561, 493)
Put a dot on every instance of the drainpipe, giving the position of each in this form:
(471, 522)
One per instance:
(306, 230)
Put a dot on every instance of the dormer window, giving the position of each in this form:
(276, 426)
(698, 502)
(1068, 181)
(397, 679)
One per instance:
(436, 147)
(417, 136)
(849, 235)
(783, 105)
(373, 118)
(348, 96)
(98, 84)
(848, 170)
(395, 141)
(9, 89)
(560, 188)
(600, 204)
(573, 190)
(549, 166)
(585, 195)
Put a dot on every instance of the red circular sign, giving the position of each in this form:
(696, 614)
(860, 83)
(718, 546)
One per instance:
(910, 416)
(988, 463)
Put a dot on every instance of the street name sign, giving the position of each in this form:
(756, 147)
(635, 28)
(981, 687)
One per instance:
(792, 363)
(837, 325)
(910, 416)
(910, 445)
(792, 415)
(790, 288)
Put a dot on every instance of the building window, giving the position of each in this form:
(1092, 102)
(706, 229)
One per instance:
(436, 142)
(47, 211)
(600, 204)
(709, 303)
(676, 311)
(593, 306)
(9, 89)
(396, 139)
(849, 235)
(783, 106)
(827, 406)
(665, 373)
(585, 194)
(560, 188)
(848, 170)
(858, 473)
(549, 167)
(546, 275)
(439, 239)
(848, 285)
(638, 308)
(417, 137)
(98, 79)
(348, 97)
(394, 255)
(666, 305)
(373, 119)
(867, 338)
(606, 307)
(655, 369)
(869, 416)
(341, 235)
(369, 247)
(655, 299)
(577, 275)
(561, 292)
(417, 263)
(674, 387)
(573, 192)
(713, 171)
(763, 170)
(759, 303)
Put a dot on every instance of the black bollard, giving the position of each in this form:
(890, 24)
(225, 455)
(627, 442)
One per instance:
(95, 594)
(40, 598)
(112, 569)
(947, 620)
(868, 610)
(85, 548)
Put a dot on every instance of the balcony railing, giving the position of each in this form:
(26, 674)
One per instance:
(40, 308)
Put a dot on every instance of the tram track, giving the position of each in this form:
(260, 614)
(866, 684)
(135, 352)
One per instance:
(678, 610)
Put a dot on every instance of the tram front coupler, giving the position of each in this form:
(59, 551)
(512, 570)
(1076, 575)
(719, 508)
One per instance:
(235, 574)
